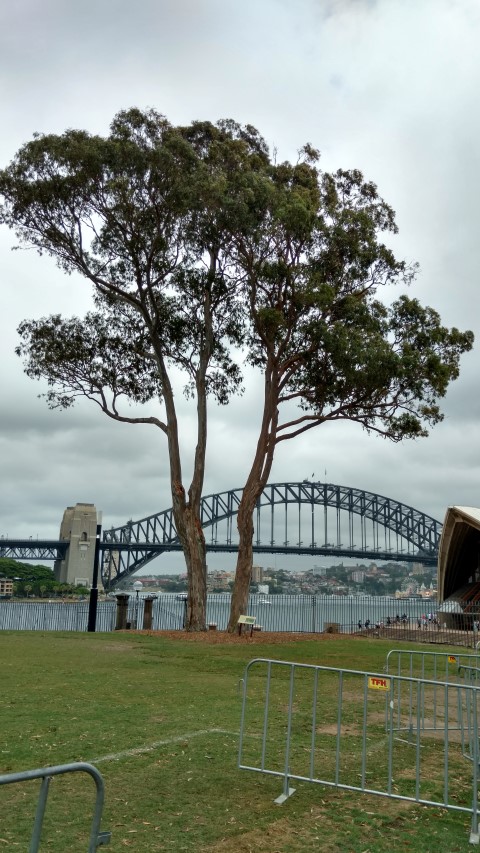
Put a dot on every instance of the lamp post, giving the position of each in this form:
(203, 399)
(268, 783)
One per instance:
(93, 601)
(138, 585)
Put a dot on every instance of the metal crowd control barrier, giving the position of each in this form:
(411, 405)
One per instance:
(432, 713)
(471, 675)
(97, 838)
(426, 664)
(327, 725)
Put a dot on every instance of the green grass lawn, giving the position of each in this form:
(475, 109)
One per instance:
(160, 720)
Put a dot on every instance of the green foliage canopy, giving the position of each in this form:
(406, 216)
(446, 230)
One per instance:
(34, 578)
(313, 270)
(199, 245)
(145, 216)
(196, 241)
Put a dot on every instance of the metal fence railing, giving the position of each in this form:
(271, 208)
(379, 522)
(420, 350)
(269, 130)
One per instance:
(54, 616)
(46, 774)
(379, 616)
(302, 613)
(340, 728)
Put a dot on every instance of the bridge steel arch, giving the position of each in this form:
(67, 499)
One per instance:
(128, 548)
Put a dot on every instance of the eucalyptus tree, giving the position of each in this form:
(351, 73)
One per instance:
(329, 348)
(145, 216)
(196, 241)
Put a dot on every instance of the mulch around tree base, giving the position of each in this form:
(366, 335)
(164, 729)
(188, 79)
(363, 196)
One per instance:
(222, 637)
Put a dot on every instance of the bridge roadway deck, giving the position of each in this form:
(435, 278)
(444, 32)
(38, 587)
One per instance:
(28, 549)
(33, 549)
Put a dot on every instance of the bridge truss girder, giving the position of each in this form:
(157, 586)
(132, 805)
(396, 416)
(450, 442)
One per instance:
(128, 548)
(28, 549)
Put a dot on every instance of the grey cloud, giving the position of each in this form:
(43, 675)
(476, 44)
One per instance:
(390, 88)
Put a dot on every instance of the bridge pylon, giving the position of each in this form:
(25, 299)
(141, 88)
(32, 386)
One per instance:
(78, 527)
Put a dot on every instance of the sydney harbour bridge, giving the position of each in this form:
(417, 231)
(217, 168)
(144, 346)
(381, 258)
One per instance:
(304, 518)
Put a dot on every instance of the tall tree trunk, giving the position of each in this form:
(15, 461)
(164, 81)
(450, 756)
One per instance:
(256, 481)
(243, 572)
(187, 512)
(188, 524)
(191, 536)
(194, 540)
(186, 515)
(197, 580)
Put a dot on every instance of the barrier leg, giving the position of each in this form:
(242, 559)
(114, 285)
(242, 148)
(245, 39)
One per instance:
(287, 791)
(37, 826)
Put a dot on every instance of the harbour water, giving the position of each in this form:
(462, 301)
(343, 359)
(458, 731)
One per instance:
(310, 613)
(295, 613)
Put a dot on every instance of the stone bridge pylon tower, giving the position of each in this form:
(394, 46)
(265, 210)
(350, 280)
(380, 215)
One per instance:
(78, 527)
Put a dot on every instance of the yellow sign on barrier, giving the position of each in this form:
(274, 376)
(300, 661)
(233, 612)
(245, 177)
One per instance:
(376, 683)
(452, 659)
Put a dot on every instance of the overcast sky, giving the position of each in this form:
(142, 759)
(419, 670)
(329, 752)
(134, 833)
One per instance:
(389, 87)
